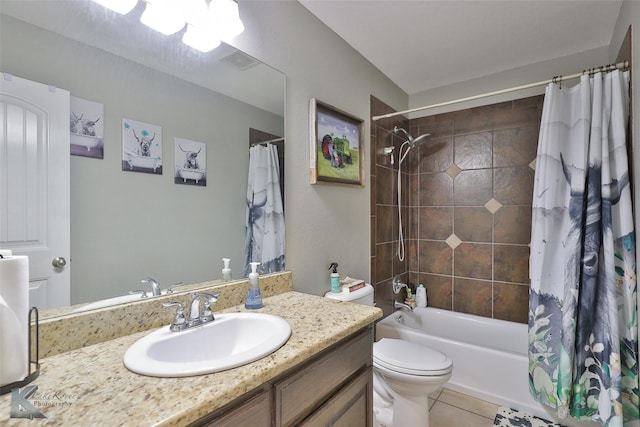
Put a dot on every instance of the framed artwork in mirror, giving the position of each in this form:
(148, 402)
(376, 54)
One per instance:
(190, 162)
(86, 128)
(141, 147)
(336, 149)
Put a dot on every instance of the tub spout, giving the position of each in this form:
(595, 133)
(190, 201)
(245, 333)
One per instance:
(402, 306)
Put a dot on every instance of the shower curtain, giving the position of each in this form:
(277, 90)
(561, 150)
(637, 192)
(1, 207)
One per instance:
(264, 226)
(582, 305)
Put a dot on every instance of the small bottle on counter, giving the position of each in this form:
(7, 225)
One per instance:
(421, 296)
(254, 298)
(226, 269)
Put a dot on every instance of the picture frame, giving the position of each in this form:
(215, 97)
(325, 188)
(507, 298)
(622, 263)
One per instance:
(86, 128)
(141, 147)
(336, 146)
(190, 162)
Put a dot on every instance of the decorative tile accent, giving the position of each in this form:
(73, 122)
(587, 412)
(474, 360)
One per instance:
(493, 205)
(532, 165)
(453, 170)
(453, 241)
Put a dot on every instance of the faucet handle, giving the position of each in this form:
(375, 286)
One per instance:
(179, 322)
(173, 285)
(142, 293)
(397, 284)
(207, 314)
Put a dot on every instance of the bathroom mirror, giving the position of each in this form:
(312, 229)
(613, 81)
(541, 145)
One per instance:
(127, 225)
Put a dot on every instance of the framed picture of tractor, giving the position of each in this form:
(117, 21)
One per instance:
(336, 149)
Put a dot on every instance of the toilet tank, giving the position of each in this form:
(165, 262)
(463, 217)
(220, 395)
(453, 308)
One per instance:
(360, 296)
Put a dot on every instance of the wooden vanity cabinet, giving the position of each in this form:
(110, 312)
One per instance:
(334, 388)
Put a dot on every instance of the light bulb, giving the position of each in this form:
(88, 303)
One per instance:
(163, 16)
(121, 6)
(200, 39)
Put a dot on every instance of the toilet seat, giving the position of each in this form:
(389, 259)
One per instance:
(410, 358)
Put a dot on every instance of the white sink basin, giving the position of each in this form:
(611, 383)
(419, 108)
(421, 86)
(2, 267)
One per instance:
(108, 302)
(231, 340)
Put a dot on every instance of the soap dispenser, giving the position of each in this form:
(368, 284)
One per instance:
(226, 270)
(254, 298)
(334, 278)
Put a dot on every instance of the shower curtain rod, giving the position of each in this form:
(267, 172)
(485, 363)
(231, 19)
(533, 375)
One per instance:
(268, 141)
(556, 79)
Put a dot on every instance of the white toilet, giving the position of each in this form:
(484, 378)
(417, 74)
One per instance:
(404, 373)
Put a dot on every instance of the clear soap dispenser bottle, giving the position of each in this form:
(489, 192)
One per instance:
(226, 270)
(254, 298)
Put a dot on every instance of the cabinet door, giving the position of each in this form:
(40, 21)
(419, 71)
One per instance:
(352, 406)
(297, 395)
(256, 412)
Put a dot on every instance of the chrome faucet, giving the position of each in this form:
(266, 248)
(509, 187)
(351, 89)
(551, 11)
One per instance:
(397, 287)
(402, 306)
(180, 322)
(155, 287)
(195, 317)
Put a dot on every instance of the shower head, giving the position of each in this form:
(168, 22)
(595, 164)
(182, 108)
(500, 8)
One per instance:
(413, 142)
(422, 139)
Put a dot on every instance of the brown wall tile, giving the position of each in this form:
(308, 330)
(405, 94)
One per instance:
(473, 187)
(437, 155)
(439, 290)
(473, 260)
(384, 261)
(386, 229)
(472, 296)
(511, 263)
(435, 257)
(515, 147)
(513, 185)
(386, 192)
(436, 189)
(473, 151)
(512, 224)
(511, 302)
(436, 223)
(473, 224)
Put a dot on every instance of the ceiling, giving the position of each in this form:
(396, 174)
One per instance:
(94, 25)
(424, 44)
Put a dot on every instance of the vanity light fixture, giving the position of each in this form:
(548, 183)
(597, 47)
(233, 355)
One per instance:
(207, 21)
(121, 6)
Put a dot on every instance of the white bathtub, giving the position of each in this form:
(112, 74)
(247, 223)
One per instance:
(489, 356)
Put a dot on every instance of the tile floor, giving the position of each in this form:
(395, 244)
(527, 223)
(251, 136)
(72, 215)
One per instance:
(452, 409)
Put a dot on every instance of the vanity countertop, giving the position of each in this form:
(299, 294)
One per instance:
(91, 386)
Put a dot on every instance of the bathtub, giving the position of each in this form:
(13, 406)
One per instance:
(490, 357)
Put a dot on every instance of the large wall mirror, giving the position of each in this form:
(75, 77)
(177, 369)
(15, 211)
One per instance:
(125, 225)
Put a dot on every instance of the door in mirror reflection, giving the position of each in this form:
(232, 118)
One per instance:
(34, 195)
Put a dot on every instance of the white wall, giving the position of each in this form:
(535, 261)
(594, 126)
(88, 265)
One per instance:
(517, 77)
(324, 223)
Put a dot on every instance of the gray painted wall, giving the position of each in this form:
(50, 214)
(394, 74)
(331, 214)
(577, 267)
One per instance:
(127, 225)
(325, 223)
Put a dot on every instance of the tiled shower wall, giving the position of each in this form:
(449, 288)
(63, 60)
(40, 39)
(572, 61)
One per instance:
(466, 207)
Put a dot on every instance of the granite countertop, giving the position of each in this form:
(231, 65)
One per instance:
(91, 386)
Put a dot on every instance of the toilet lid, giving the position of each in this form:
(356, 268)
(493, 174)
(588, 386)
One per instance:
(410, 358)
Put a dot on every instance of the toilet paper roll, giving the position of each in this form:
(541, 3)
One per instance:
(14, 312)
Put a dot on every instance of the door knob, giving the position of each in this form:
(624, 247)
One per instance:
(59, 262)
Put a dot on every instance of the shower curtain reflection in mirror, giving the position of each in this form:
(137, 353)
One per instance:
(265, 237)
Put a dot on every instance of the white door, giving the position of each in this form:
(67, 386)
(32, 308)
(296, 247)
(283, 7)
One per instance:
(34, 185)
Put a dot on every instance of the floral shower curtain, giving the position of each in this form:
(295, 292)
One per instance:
(582, 306)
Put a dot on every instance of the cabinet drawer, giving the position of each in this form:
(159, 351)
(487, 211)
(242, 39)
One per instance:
(350, 407)
(300, 393)
(255, 412)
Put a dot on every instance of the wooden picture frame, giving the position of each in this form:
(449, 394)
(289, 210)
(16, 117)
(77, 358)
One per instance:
(336, 146)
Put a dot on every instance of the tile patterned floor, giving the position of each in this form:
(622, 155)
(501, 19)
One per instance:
(452, 409)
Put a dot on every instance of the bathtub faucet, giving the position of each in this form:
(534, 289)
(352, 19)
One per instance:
(398, 285)
(402, 306)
